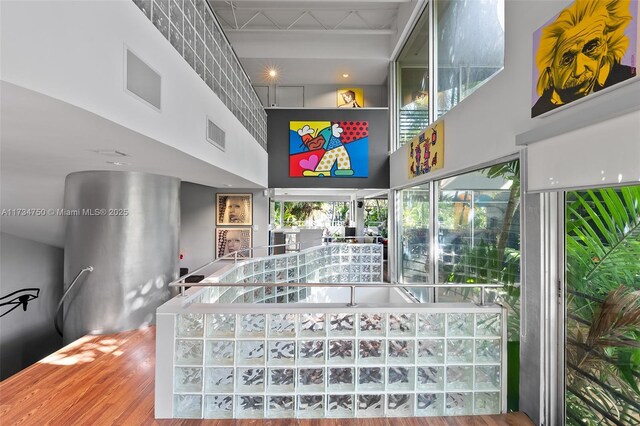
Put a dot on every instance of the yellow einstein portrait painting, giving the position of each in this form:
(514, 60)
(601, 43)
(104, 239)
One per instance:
(587, 47)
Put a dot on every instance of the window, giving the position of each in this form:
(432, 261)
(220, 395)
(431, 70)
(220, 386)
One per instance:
(414, 261)
(602, 302)
(472, 227)
(470, 47)
(413, 82)
(468, 37)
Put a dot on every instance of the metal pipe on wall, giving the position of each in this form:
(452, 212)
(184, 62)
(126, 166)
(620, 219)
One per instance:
(126, 225)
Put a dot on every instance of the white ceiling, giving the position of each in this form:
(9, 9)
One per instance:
(315, 42)
(44, 139)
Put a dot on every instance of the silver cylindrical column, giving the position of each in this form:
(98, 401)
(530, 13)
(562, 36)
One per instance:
(126, 225)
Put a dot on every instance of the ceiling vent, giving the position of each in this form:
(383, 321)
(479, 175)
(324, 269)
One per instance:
(142, 80)
(215, 135)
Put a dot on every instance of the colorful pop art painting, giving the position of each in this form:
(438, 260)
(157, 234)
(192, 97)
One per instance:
(329, 149)
(588, 46)
(426, 151)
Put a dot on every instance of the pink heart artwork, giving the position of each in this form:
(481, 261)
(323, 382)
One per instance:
(309, 164)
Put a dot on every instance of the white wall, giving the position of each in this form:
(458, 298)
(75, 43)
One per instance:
(325, 95)
(484, 126)
(74, 51)
(28, 336)
(198, 222)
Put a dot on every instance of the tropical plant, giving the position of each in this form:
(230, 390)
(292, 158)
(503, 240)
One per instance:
(603, 306)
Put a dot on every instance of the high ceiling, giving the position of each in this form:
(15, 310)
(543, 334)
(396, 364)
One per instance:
(316, 42)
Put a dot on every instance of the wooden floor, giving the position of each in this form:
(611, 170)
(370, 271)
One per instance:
(109, 380)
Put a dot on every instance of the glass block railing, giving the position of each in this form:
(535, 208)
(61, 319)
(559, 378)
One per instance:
(193, 30)
(336, 263)
(293, 361)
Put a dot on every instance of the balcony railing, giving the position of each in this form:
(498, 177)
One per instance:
(284, 360)
(193, 30)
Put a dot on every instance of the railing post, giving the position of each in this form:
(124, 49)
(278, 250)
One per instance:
(353, 297)
(482, 301)
(182, 290)
(235, 257)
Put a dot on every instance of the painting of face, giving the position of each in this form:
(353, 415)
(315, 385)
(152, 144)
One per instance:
(234, 242)
(578, 59)
(587, 47)
(234, 209)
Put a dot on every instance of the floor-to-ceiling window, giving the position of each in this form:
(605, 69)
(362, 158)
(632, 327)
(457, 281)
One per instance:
(602, 307)
(471, 224)
(414, 241)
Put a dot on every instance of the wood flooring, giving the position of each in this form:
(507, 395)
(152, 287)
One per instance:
(109, 380)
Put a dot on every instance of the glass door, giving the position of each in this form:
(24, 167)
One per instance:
(602, 307)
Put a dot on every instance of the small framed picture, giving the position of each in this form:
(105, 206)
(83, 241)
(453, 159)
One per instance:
(230, 240)
(234, 209)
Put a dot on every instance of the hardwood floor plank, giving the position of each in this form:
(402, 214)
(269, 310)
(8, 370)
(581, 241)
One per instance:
(109, 380)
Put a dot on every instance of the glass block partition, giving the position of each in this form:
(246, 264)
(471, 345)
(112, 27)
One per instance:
(336, 263)
(329, 360)
(193, 30)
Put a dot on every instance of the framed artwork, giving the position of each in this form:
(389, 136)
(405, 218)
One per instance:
(426, 151)
(329, 149)
(589, 46)
(350, 98)
(234, 209)
(230, 240)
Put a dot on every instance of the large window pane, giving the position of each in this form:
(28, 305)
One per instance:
(414, 237)
(470, 47)
(479, 242)
(413, 82)
(479, 235)
(602, 371)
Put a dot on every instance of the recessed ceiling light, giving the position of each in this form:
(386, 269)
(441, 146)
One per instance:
(227, 184)
(345, 75)
(273, 73)
(118, 163)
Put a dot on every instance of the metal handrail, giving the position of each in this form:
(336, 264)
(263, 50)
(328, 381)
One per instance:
(55, 318)
(352, 286)
(234, 256)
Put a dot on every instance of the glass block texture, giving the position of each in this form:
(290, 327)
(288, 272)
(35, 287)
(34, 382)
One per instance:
(329, 264)
(194, 31)
(337, 365)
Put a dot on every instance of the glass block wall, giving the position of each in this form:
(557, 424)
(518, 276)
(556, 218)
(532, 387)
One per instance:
(279, 361)
(193, 30)
(337, 263)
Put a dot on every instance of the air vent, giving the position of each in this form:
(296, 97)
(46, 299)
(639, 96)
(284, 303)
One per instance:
(142, 80)
(215, 135)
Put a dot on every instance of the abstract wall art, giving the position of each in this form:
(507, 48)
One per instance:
(329, 149)
(426, 151)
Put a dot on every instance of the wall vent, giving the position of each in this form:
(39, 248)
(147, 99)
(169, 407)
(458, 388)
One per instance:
(215, 135)
(142, 80)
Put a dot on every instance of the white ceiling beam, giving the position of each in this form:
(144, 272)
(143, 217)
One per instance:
(327, 31)
(233, 10)
(317, 20)
(297, 19)
(255, 15)
(343, 19)
(329, 1)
